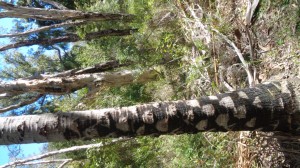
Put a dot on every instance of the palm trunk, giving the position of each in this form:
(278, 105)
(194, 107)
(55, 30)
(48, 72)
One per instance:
(267, 107)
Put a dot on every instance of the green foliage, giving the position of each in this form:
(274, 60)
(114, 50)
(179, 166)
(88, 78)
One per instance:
(198, 150)
(120, 96)
(18, 65)
(158, 42)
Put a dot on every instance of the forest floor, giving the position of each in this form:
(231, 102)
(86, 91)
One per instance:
(274, 35)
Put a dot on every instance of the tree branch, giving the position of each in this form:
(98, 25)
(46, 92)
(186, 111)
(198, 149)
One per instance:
(240, 56)
(69, 38)
(63, 164)
(61, 151)
(65, 24)
(21, 104)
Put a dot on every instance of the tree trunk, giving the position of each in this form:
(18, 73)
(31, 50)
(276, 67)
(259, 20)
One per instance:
(69, 38)
(60, 151)
(44, 28)
(59, 85)
(268, 107)
(56, 14)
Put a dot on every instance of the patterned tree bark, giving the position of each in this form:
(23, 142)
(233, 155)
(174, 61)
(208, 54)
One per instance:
(271, 106)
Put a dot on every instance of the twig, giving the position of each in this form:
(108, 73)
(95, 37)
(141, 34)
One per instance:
(63, 164)
(250, 11)
(252, 54)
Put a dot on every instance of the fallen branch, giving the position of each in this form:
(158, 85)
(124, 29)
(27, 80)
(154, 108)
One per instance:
(240, 56)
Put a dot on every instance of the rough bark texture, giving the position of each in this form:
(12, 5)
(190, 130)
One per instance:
(69, 38)
(53, 84)
(56, 14)
(268, 107)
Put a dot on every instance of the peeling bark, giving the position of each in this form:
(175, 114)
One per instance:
(69, 38)
(67, 84)
(271, 106)
(56, 14)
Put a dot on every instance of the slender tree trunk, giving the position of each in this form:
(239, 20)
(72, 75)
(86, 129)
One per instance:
(97, 69)
(56, 14)
(69, 38)
(63, 85)
(268, 107)
(40, 29)
(61, 151)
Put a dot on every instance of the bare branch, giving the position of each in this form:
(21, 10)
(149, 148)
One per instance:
(102, 67)
(21, 104)
(59, 54)
(61, 151)
(250, 11)
(240, 56)
(63, 164)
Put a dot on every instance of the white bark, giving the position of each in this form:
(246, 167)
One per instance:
(21, 104)
(62, 85)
